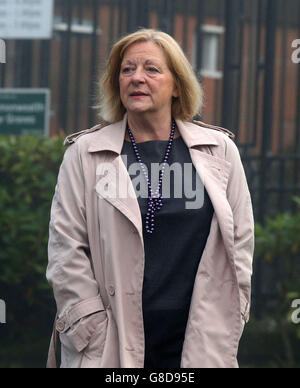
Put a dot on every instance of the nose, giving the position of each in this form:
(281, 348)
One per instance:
(138, 76)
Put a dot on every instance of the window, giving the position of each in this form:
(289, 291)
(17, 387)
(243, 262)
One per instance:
(211, 49)
(85, 27)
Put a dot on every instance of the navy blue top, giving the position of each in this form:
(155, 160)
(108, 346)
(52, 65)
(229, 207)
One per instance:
(173, 251)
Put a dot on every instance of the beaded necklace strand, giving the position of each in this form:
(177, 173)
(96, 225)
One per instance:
(154, 201)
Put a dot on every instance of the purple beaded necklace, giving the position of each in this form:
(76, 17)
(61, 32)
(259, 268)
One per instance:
(154, 201)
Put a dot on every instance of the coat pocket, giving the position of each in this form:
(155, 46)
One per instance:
(80, 339)
(92, 354)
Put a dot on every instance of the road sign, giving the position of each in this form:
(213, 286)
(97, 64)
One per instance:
(24, 111)
(26, 19)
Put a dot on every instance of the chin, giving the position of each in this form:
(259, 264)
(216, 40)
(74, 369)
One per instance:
(138, 109)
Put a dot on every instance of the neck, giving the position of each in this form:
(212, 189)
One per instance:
(149, 127)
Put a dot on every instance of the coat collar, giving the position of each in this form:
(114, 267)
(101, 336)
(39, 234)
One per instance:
(111, 137)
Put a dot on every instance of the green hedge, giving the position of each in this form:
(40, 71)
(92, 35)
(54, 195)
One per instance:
(28, 174)
(274, 340)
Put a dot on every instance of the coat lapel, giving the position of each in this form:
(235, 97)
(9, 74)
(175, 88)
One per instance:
(213, 171)
(113, 174)
(121, 191)
(214, 176)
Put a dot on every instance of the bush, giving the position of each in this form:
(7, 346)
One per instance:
(274, 339)
(28, 174)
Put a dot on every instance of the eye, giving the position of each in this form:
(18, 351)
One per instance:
(126, 70)
(152, 70)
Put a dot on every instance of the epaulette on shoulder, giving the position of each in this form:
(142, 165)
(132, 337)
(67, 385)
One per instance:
(220, 129)
(70, 139)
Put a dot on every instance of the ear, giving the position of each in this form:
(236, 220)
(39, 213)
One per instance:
(175, 91)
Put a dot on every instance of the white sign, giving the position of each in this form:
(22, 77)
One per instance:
(26, 19)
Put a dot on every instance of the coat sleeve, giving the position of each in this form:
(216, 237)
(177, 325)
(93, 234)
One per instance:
(69, 270)
(240, 201)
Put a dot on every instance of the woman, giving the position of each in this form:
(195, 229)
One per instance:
(143, 275)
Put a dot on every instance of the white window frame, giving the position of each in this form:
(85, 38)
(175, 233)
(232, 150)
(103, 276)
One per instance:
(86, 28)
(214, 30)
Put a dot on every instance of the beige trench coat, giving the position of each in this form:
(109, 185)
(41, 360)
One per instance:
(96, 254)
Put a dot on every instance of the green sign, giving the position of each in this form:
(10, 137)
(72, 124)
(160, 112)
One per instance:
(24, 111)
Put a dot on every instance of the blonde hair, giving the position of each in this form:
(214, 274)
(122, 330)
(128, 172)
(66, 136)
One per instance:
(190, 94)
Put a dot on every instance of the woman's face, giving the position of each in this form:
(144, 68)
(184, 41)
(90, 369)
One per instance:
(146, 83)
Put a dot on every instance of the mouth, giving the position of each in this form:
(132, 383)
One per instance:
(138, 94)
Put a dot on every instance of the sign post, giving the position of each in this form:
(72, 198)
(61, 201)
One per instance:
(24, 111)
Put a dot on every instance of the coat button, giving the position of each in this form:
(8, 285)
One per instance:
(111, 290)
(60, 326)
(129, 348)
